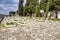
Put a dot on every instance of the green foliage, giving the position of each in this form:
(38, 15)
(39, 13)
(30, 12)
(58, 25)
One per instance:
(11, 13)
(52, 19)
(20, 7)
(57, 7)
(8, 23)
(32, 7)
(37, 9)
(47, 8)
(43, 6)
(24, 11)
(31, 4)
(12, 23)
(47, 4)
(58, 19)
(44, 1)
(56, 4)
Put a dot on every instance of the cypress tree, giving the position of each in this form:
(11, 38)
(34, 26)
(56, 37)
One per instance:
(20, 7)
(47, 7)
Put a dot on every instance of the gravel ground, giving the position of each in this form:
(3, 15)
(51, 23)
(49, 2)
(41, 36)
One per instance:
(32, 30)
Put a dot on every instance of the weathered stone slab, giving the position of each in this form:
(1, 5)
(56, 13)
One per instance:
(38, 31)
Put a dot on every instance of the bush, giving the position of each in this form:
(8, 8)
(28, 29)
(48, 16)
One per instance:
(8, 23)
(58, 19)
(54, 19)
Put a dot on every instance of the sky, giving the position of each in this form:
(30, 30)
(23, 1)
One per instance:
(9, 5)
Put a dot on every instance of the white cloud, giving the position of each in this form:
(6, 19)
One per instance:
(15, 1)
(5, 6)
(9, 6)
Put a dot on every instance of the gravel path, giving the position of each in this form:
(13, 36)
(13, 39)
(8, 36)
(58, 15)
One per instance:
(49, 30)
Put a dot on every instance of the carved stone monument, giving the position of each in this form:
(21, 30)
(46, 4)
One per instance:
(41, 13)
(53, 14)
